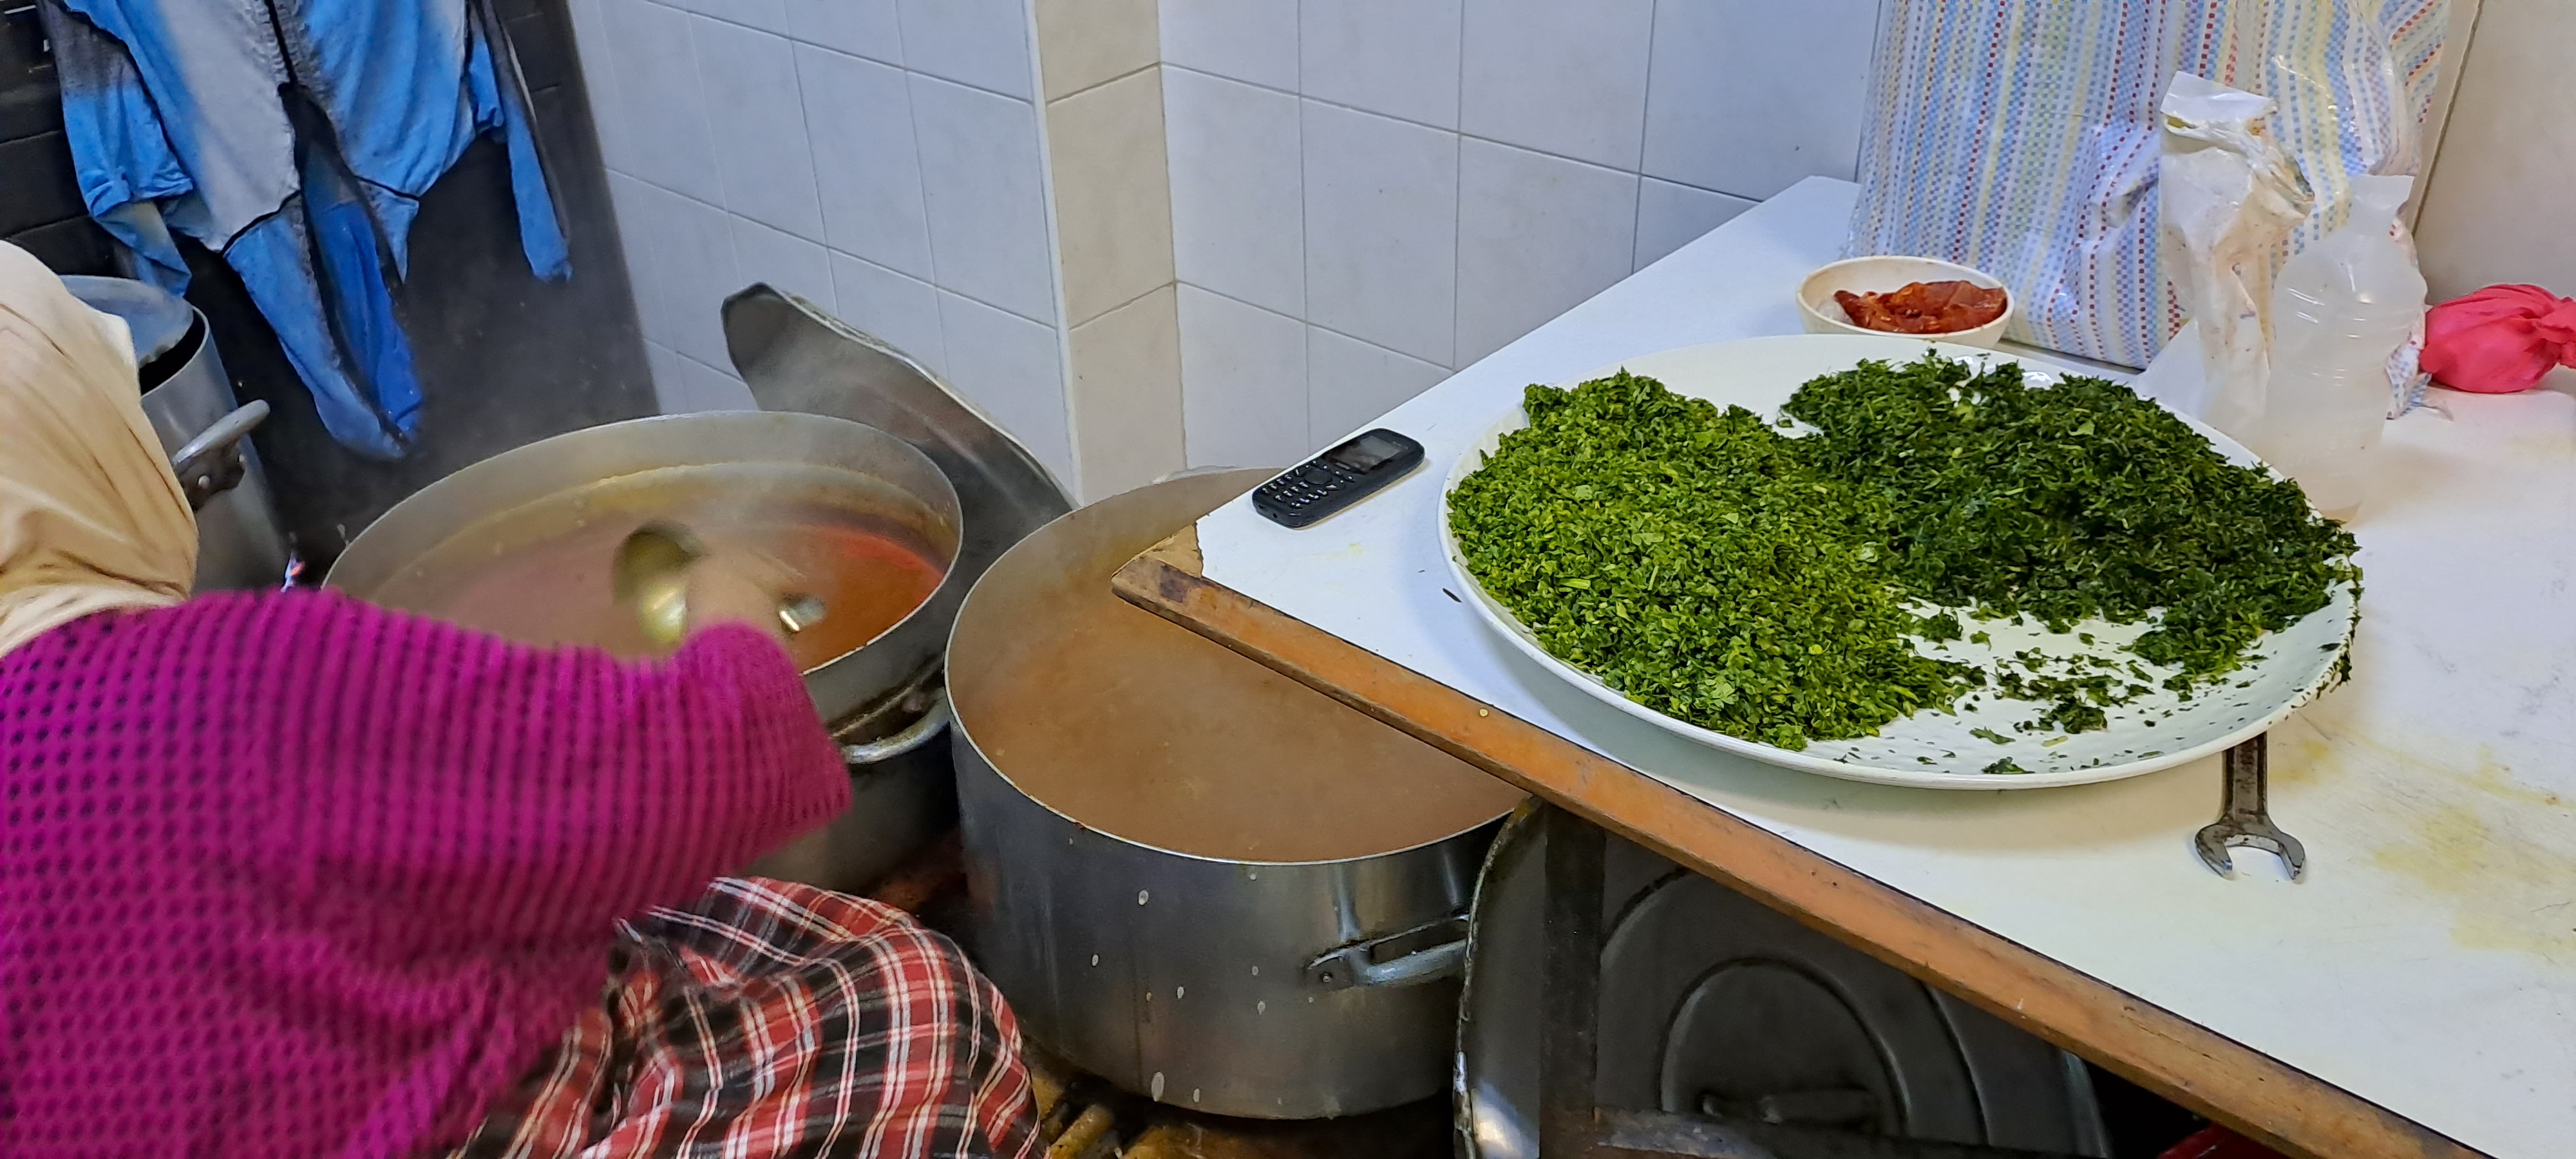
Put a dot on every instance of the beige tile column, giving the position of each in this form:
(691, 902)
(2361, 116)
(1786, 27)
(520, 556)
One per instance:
(1103, 91)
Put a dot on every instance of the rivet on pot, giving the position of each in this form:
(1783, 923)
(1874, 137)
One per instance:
(1142, 894)
(1180, 991)
(1158, 1084)
(1095, 959)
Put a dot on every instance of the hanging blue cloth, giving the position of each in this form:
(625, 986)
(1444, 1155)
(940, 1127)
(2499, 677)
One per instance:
(296, 138)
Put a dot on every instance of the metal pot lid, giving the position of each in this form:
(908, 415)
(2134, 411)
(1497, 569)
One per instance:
(1712, 1003)
(156, 319)
(797, 358)
(1141, 730)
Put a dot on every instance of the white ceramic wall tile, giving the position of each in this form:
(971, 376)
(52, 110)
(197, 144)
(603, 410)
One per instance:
(1243, 383)
(1126, 395)
(859, 113)
(2504, 158)
(1238, 213)
(1381, 230)
(900, 311)
(1113, 197)
(1248, 40)
(693, 256)
(640, 217)
(1082, 43)
(599, 75)
(703, 387)
(1349, 383)
(661, 100)
(865, 27)
(670, 395)
(985, 196)
(1558, 77)
(984, 43)
(785, 261)
(1536, 234)
(1748, 96)
(1671, 216)
(1397, 57)
(766, 15)
(758, 118)
(1014, 369)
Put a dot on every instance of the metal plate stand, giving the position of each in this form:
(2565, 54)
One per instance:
(1573, 1124)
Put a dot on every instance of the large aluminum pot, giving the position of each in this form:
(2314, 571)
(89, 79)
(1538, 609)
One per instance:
(1265, 987)
(886, 476)
(1713, 1004)
(203, 429)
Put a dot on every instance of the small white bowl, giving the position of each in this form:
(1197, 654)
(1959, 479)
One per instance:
(1881, 274)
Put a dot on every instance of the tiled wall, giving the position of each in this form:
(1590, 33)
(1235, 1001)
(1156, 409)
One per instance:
(882, 158)
(1143, 233)
(40, 199)
(1113, 211)
(1369, 194)
(503, 358)
(2497, 209)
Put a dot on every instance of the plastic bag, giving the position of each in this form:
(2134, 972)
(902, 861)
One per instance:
(2302, 361)
(2500, 339)
(2021, 137)
(2231, 198)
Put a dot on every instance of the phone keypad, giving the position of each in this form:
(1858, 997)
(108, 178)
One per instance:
(1311, 484)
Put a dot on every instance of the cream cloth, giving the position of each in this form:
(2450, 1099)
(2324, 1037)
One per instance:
(90, 516)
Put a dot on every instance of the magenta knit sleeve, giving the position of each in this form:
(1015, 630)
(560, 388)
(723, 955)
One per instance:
(294, 875)
(533, 793)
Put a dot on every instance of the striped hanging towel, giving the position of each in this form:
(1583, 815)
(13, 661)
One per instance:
(2019, 137)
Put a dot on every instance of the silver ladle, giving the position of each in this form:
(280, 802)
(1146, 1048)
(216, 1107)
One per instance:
(651, 572)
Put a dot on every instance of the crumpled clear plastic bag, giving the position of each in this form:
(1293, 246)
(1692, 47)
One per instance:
(2302, 356)
(2231, 199)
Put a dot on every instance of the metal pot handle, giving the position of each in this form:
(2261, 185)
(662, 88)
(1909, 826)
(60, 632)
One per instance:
(1357, 964)
(918, 734)
(212, 463)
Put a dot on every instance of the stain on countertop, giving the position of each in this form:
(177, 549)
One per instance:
(2496, 850)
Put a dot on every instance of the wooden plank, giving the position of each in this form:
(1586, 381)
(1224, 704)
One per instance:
(2250, 1092)
(1180, 552)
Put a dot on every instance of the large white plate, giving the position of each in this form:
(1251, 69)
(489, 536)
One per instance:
(1933, 749)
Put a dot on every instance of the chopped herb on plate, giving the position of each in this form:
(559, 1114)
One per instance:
(1767, 581)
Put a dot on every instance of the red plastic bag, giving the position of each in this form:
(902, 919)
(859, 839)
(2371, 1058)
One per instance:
(2215, 1142)
(2500, 339)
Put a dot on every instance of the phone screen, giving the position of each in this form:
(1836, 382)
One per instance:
(1365, 452)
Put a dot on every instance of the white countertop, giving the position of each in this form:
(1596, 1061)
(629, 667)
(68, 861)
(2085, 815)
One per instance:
(2428, 961)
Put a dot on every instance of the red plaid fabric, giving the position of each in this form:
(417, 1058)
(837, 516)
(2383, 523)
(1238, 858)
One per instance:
(773, 1019)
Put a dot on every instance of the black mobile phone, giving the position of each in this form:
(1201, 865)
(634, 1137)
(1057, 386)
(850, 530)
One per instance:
(1331, 481)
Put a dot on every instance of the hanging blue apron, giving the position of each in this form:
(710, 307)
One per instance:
(296, 138)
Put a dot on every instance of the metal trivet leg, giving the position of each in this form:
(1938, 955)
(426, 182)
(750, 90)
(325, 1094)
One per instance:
(1573, 1125)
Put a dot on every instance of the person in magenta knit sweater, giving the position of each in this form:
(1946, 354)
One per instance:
(289, 874)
